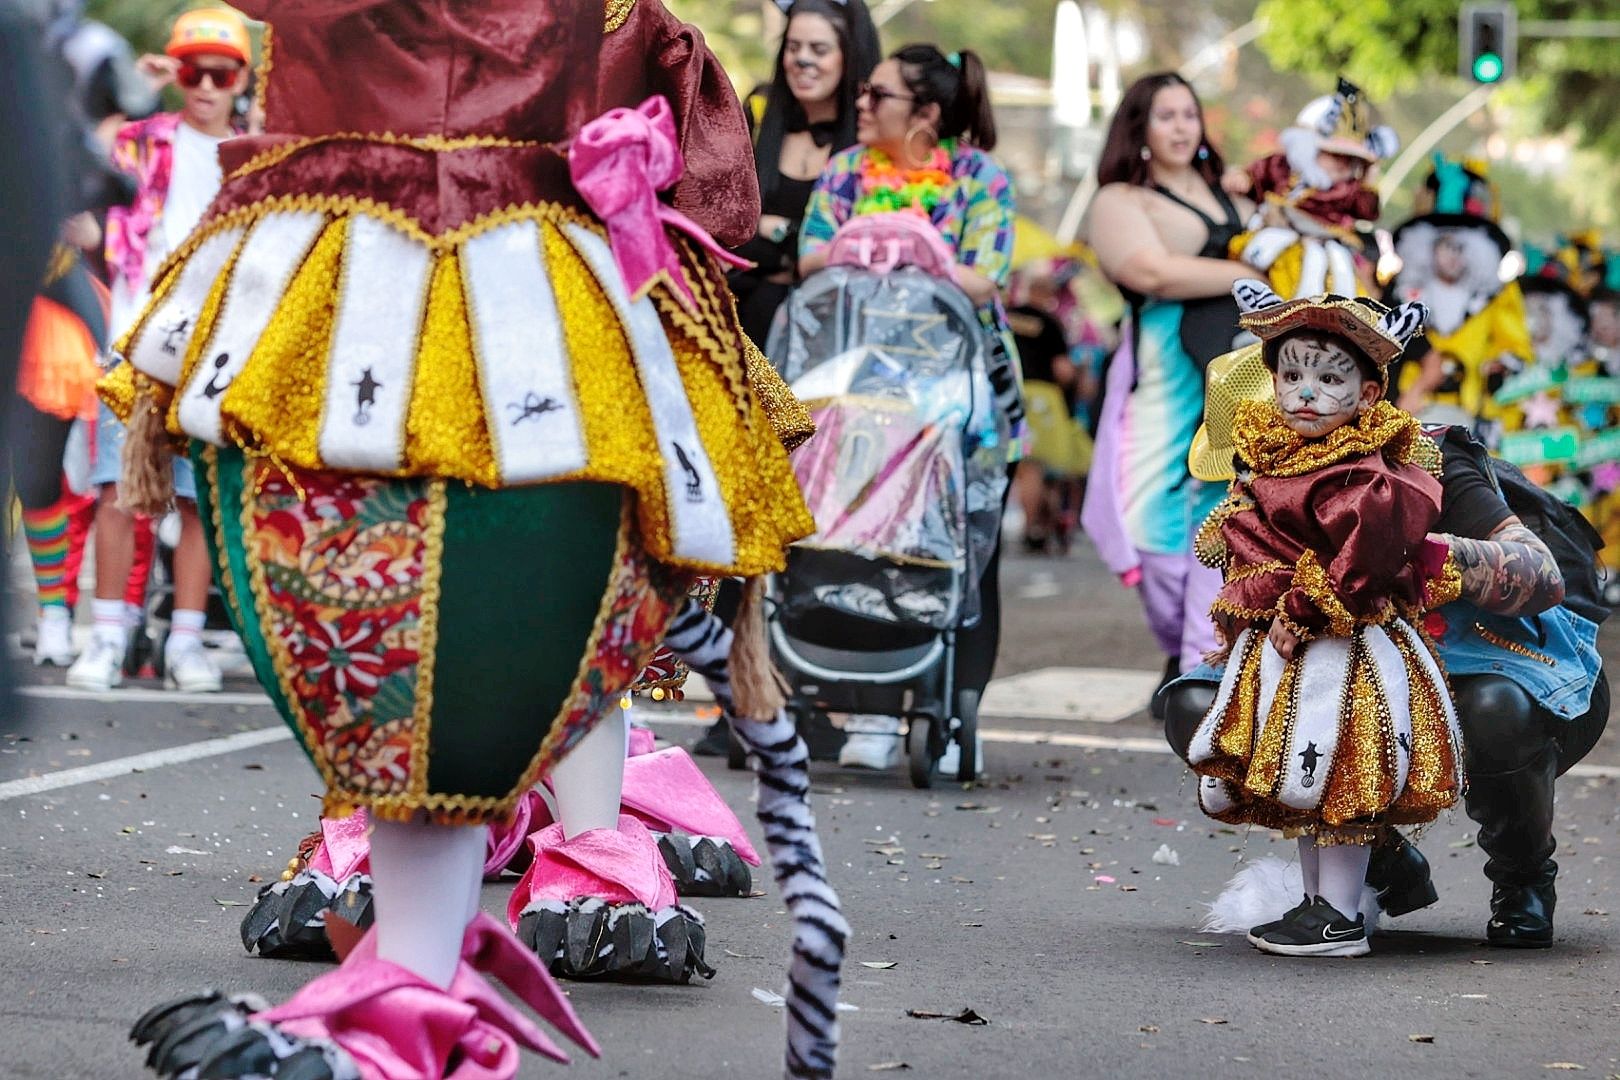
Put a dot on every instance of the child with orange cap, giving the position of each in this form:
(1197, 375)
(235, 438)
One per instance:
(175, 161)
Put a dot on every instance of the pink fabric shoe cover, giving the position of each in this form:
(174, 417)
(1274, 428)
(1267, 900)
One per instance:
(345, 847)
(669, 793)
(397, 1026)
(617, 866)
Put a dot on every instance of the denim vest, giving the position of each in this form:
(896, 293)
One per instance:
(1553, 656)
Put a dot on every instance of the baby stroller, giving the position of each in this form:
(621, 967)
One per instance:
(905, 480)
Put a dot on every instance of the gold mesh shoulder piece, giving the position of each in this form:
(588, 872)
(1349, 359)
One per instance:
(617, 13)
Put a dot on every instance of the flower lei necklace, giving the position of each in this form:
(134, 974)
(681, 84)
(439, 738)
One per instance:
(885, 187)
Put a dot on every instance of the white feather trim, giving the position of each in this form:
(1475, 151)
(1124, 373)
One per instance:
(1263, 890)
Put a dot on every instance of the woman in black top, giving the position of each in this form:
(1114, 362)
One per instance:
(804, 116)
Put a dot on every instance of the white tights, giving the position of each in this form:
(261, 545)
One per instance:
(1336, 873)
(427, 877)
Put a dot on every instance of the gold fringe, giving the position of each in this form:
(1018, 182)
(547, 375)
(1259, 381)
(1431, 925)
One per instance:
(757, 689)
(146, 485)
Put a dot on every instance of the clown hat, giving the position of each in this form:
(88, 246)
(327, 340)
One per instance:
(210, 32)
(1343, 121)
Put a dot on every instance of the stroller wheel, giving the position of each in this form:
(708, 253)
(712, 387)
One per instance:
(921, 755)
(967, 735)
(736, 753)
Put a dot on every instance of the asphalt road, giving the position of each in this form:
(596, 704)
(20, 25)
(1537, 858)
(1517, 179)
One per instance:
(1032, 899)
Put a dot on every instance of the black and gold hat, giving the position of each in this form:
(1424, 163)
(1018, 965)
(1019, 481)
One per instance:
(1378, 331)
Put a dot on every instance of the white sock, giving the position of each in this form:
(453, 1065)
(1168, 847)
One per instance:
(185, 631)
(133, 614)
(421, 875)
(109, 623)
(1344, 873)
(1310, 866)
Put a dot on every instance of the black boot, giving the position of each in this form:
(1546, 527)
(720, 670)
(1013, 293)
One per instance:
(1172, 672)
(1515, 815)
(1399, 874)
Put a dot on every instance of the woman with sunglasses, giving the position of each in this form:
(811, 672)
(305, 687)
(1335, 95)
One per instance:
(1160, 226)
(174, 159)
(926, 129)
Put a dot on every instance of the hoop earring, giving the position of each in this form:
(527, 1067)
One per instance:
(929, 136)
(1146, 154)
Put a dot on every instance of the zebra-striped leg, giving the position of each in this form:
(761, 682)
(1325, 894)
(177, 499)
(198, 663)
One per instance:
(782, 764)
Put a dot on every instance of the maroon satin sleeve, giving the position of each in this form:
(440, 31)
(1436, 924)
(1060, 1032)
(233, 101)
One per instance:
(719, 190)
(1270, 175)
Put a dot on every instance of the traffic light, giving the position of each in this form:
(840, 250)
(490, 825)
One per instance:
(1488, 32)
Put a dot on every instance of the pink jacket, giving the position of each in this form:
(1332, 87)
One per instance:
(145, 150)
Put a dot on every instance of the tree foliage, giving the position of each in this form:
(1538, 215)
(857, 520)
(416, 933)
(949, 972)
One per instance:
(1396, 45)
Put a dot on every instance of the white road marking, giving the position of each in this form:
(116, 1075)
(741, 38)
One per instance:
(148, 762)
(1049, 694)
(1088, 695)
(142, 696)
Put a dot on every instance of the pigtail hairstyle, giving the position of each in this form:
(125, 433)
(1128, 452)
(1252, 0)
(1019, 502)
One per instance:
(959, 85)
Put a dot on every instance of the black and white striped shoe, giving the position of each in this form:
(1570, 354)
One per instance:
(1318, 929)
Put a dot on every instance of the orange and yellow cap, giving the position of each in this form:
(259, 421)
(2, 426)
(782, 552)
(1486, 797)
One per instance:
(210, 32)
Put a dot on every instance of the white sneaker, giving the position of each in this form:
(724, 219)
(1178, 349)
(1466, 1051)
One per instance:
(100, 668)
(873, 743)
(950, 762)
(54, 642)
(191, 669)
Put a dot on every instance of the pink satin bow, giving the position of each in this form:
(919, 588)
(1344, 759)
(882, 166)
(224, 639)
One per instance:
(619, 163)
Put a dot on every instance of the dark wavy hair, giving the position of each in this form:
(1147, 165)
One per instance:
(858, 42)
(960, 87)
(1122, 162)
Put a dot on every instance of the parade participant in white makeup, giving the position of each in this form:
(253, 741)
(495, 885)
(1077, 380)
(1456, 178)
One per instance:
(1333, 719)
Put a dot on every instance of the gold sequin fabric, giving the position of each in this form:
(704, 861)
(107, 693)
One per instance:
(1272, 448)
(1351, 734)
(278, 403)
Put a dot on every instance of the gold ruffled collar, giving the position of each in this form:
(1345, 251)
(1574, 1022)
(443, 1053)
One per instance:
(1271, 448)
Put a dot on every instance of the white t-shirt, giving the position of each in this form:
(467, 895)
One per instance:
(194, 180)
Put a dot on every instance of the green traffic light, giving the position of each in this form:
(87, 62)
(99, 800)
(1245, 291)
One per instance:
(1487, 67)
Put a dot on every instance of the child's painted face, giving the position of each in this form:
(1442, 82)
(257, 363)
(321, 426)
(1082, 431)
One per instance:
(1319, 386)
(1340, 167)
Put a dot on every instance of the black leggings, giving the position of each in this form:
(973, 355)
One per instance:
(976, 647)
(35, 444)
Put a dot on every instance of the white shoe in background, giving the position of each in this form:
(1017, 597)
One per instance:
(54, 637)
(191, 669)
(100, 668)
(873, 742)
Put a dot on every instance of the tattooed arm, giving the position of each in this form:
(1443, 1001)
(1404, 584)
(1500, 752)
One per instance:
(1512, 573)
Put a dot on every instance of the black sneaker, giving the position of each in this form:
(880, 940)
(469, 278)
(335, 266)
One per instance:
(1317, 930)
(1293, 912)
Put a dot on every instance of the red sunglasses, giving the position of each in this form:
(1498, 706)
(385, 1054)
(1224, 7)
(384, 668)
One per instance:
(191, 76)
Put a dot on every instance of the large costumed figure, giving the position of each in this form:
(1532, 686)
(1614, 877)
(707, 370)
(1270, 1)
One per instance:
(471, 412)
(1451, 257)
(1313, 196)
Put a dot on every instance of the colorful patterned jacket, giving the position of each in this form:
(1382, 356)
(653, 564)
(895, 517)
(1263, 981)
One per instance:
(144, 149)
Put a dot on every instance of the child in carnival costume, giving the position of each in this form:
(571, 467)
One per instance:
(1561, 414)
(1314, 197)
(1333, 718)
(1451, 256)
(444, 357)
(1541, 430)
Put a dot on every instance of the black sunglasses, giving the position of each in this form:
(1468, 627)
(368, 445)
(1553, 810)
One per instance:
(879, 94)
